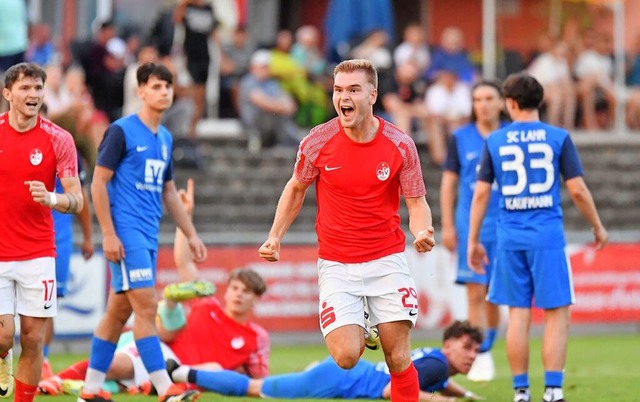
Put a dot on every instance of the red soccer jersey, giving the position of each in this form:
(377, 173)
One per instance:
(212, 336)
(26, 227)
(358, 187)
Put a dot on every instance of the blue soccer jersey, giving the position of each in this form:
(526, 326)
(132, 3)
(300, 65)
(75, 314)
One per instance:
(141, 162)
(364, 380)
(463, 157)
(526, 159)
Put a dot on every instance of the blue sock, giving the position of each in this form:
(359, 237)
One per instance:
(553, 379)
(521, 381)
(45, 351)
(101, 354)
(151, 353)
(489, 339)
(223, 382)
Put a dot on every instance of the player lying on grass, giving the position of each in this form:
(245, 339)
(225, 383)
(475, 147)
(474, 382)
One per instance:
(461, 342)
(187, 336)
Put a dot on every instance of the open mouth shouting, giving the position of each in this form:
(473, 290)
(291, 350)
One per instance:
(347, 111)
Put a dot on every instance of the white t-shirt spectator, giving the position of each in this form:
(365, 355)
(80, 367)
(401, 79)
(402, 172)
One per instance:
(454, 104)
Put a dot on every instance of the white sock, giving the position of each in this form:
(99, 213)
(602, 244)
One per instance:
(553, 394)
(93, 381)
(160, 379)
(181, 374)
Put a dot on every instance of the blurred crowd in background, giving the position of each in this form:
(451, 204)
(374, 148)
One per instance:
(280, 87)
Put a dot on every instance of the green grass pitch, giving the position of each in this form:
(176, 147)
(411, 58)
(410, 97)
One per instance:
(600, 368)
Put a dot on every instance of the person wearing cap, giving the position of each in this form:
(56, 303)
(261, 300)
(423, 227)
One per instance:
(266, 110)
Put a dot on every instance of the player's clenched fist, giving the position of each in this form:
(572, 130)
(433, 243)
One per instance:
(38, 192)
(270, 250)
(425, 240)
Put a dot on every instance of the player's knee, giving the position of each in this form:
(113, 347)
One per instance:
(397, 361)
(347, 361)
(6, 341)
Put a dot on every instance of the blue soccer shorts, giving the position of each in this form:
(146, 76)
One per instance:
(532, 277)
(465, 274)
(137, 270)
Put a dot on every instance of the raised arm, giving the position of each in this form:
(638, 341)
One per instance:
(287, 210)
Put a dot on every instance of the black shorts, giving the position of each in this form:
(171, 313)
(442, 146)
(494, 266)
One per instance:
(199, 70)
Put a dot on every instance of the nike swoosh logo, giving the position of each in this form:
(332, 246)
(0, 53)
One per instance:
(141, 149)
(47, 306)
(471, 155)
(329, 169)
(413, 312)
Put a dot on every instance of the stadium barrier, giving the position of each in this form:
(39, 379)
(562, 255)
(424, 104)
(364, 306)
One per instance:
(607, 286)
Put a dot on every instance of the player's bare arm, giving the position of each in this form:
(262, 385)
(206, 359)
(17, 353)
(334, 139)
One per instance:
(448, 190)
(70, 202)
(287, 210)
(183, 220)
(111, 244)
(421, 224)
(84, 218)
(583, 200)
(182, 254)
(476, 254)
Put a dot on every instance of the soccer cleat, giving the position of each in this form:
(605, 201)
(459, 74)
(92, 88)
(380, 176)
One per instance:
(102, 396)
(551, 393)
(172, 366)
(179, 393)
(6, 375)
(50, 386)
(188, 290)
(72, 387)
(483, 368)
(522, 395)
(47, 372)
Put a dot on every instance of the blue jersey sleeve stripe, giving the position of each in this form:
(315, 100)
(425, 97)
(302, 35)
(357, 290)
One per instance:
(112, 148)
(485, 173)
(570, 165)
(452, 162)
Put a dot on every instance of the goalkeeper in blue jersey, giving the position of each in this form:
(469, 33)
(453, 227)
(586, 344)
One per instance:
(526, 159)
(461, 343)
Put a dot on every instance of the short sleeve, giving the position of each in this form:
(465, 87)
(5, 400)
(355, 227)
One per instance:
(452, 162)
(485, 171)
(112, 148)
(570, 165)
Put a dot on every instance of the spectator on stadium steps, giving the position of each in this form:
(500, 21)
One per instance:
(41, 49)
(266, 110)
(14, 38)
(404, 101)
(633, 83)
(414, 48)
(528, 160)
(325, 379)
(448, 103)
(451, 55)
(594, 72)
(551, 69)
(198, 19)
(240, 344)
(235, 55)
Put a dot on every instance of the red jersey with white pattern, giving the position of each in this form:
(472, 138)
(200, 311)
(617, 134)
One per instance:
(212, 336)
(358, 187)
(26, 227)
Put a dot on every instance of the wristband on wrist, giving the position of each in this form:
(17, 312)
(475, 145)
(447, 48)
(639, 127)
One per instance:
(53, 199)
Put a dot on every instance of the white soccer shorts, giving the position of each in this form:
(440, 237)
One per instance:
(29, 287)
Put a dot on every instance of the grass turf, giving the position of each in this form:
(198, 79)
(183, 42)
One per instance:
(599, 369)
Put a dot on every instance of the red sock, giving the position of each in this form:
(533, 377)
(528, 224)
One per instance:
(405, 386)
(77, 371)
(24, 392)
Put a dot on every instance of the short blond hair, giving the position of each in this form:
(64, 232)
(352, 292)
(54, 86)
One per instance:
(350, 66)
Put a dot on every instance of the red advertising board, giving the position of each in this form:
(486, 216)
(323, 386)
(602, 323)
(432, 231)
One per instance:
(607, 284)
